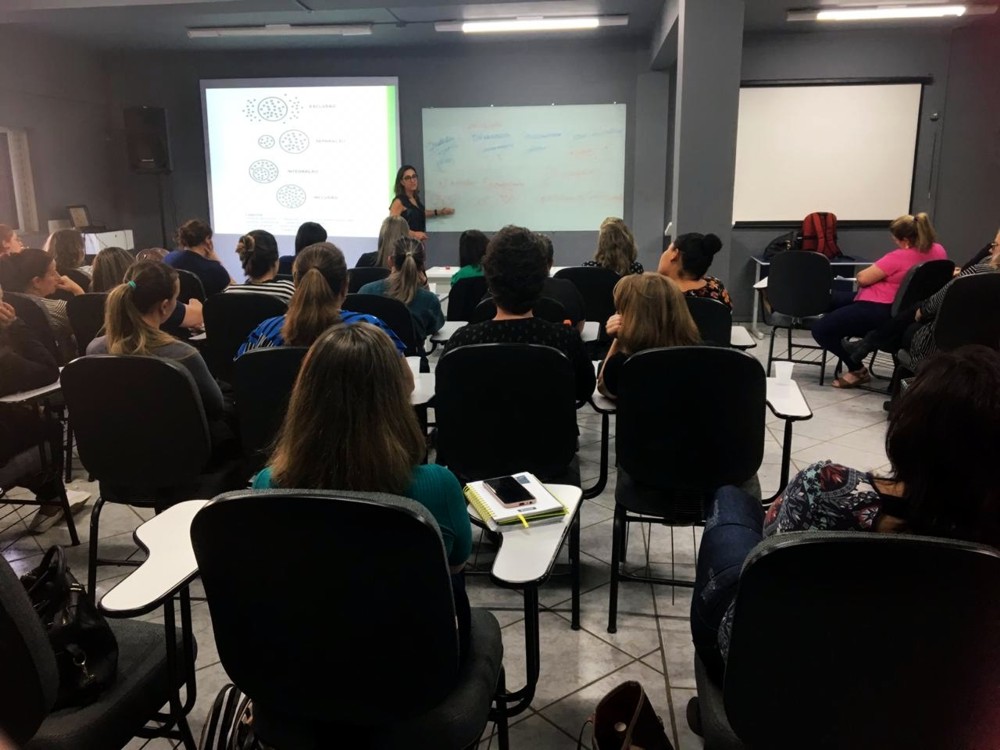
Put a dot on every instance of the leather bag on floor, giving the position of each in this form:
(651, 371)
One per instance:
(625, 720)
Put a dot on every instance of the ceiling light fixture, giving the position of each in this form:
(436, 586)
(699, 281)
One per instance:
(886, 12)
(536, 23)
(281, 29)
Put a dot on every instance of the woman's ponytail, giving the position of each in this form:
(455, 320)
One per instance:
(148, 284)
(408, 264)
(320, 274)
(926, 236)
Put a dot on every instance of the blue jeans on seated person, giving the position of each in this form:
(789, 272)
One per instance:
(733, 529)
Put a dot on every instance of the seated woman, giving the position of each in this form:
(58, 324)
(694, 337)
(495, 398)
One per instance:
(471, 249)
(651, 313)
(109, 269)
(308, 233)
(258, 251)
(941, 443)
(686, 262)
(516, 270)
(133, 314)
(392, 230)
(320, 289)
(67, 246)
(616, 249)
(407, 282)
(872, 306)
(354, 378)
(152, 253)
(33, 272)
(10, 243)
(186, 317)
(197, 255)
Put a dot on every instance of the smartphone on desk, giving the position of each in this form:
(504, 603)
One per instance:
(510, 492)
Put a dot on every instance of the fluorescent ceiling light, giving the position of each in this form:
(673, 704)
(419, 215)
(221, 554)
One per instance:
(538, 23)
(883, 12)
(281, 29)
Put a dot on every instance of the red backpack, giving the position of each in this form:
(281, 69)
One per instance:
(819, 234)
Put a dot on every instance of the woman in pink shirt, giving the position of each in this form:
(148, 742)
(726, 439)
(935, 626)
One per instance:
(916, 242)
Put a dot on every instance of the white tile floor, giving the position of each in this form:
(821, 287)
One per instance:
(653, 642)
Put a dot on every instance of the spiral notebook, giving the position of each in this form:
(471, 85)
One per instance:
(546, 507)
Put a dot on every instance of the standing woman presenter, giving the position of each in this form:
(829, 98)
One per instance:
(407, 203)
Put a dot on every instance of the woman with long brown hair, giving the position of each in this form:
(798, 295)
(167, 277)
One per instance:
(392, 230)
(652, 313)
(616, 248)
(406, 202)
(109, 268)
(407, 282)
(353, 378)
(69, 249)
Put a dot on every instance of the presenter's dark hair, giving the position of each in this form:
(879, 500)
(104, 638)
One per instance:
(258, 251)
(320, 274)
(472, 247)
(309, 234)
(515, 269)
(697, 251)
(398, 190)
(193, 233)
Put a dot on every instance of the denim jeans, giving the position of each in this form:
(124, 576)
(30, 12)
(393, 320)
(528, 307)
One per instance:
(733, 528)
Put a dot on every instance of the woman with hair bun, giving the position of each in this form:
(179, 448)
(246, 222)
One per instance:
(258, 252)
(686, 263)
(407, 283)
(197, 255)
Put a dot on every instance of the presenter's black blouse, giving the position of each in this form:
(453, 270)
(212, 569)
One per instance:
(414, 214)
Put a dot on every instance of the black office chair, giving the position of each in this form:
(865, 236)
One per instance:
(229, 319)
(31, 681)
(465, 294)
(394, 639)
(33, 315)
(597, 287)
(690, 420)
(831, 657)
(358, 277)
(142, 433)
(390, 311)
(191, 287)
(262, 383)
(799, 286)
(285, 263)
(546, 308)
(86, 316)
(713, 318)
(970, 313)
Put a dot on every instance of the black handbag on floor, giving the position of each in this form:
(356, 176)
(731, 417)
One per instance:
(86, 650)
(626, 720)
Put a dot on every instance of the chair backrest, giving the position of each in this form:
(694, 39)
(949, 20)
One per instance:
(191, 286)
(390, 311)
(866, 641)
(970, 313)
(138, 421)
(504, 408)
(920, 282)
(465, 294)
(392, 631)
(799, 284)
(36, 317)
(713, 318)
(86, 316)
(229, 319)
(262, 383)
(285, 263)
(546, 308)
(597, 287)
(358, 277)
(30, 676)
(691, 419)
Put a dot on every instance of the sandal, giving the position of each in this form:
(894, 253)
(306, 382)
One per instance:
(857, 378)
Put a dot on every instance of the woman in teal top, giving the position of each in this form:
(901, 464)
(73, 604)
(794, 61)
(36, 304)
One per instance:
(407, 283)
(471, 249)
(354, 379)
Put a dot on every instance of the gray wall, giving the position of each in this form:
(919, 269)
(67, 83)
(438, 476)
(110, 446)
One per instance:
(452, 76)
(58, 93)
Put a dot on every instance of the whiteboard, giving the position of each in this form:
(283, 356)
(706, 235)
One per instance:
(847, 149)
(556, 168)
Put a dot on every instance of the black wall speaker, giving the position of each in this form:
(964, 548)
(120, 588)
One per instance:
(147, 140)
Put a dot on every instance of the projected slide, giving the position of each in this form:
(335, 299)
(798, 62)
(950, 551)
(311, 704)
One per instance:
(283, 151)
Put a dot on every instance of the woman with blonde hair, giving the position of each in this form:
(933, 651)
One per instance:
(616, 249)
(109, 268)
(354, 378)
(133, 314)
(652, 313)
(320, 275)
(393, 229)
(916, 242)
(407, 283)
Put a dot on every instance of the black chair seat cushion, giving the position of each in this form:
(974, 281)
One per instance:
(140, 690)
(456, 723)
(219, 477)
(678, 508)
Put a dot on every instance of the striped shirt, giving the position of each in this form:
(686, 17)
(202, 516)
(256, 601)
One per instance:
(268, 333)
(283, 289)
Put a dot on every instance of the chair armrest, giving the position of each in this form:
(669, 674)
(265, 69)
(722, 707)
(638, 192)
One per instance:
(169, 567)
(785, 400)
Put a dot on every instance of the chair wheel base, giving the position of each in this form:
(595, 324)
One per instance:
(694, 716)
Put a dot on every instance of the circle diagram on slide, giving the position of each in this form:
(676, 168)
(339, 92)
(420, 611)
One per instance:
(263, 171)
(291, 196)
(293, 141)
(272, 109)
(266, 141)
